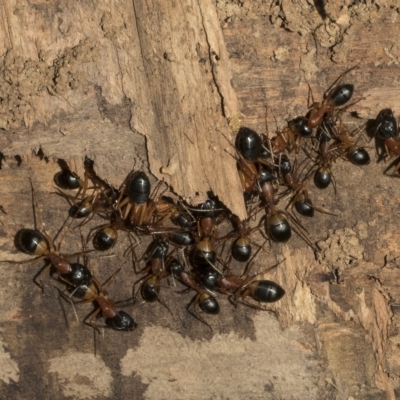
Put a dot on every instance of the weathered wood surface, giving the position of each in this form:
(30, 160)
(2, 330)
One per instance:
(331, 340)
(93, 85)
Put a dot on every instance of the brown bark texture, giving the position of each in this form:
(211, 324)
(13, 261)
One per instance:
(162, 86)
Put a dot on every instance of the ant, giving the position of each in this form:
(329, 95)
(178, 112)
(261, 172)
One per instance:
(66, 179)
(203, 255)
(241, 247)
(203, 298)
(326, 155)
(137, 216)
(300, 198)
(346, 142)
(239, 287)
(249, 144)
(97, 292)
(136, 188)
(102, 198)
(156, 271)
(288, 139)
(336, 96)
(99, 202)
(388, 131)
(40, 244)
(347, 145)
(276, 222)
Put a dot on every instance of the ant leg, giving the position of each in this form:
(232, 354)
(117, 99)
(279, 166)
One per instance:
(304, 236)
(313, 104)
(92, 317)
(161, 300)
(108, 281)
(396, 164)
(25, 261)
(251, 263)
(70, 299)
(256, 306)
(334, 184)
(193, 305)
(135, 295)
(37, 279)
(35, 206)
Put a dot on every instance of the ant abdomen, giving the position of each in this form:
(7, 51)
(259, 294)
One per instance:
(322, 177)
(278, 228)
(81, 210)
(181, 238)
(150, 289)
(299, 127)
(241, 249)
(249, 144)
(79, 275)
(66, 179)
(105, 238)
(203, 254)
(387, 124)
(304, 206)
(138, 189)
(209, 304)
(31, 241)
(207, 276)
(121, 322)
(175, 267)
(342, 94)
(358, 156)
(266, 291)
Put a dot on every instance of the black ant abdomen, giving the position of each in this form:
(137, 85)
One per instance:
(266, 175)
(278, 228)
(266, 291)
(81, 210)
(387, 124)
(285, 166)
(121, 322)
(299, 127)
(66, 179)
(157, 249)
(175, 267)
(138, 189)
(184, 220)
(203, 254)
(79, 275)
(207, 276)
(304, 206)
(249, 144)
(150, 289)
(322, 177)
(241, 249)
(209, 304)
(179, 238)
(105, 238)
(341, 94)
(358, 156)
(211, 208)
(31, 241)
